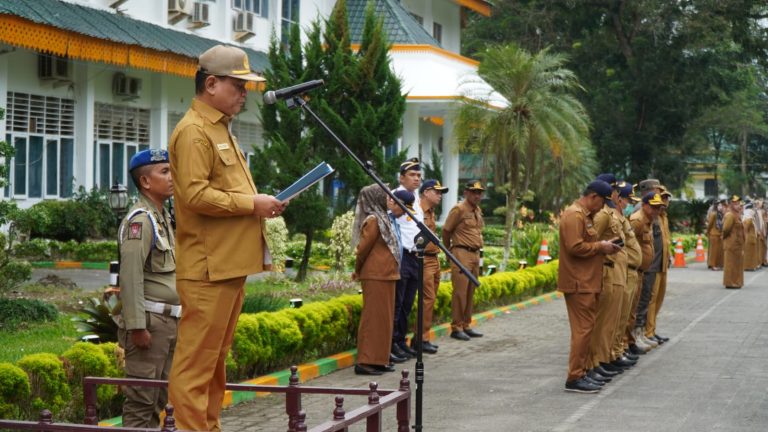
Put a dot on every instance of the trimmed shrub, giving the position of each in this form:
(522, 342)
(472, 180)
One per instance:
(47, 382)
(12, 272)
(277, 239)
(86, 359)
(14, 311)
(14, 390)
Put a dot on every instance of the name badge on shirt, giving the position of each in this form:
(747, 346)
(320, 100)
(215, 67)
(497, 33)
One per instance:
(222, 146)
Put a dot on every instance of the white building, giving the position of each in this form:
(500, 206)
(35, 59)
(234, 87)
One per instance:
(88, 83)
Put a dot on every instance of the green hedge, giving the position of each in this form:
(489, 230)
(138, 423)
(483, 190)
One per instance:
(53, 250)
(272, 340)
(14, 311)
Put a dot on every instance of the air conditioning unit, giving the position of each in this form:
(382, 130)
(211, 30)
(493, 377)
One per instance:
(200, 14)
(53, 68)
(125, 86)
(244, 22)
(179, 7)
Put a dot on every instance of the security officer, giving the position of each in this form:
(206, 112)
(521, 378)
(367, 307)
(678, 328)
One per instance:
(660, 283)
(733, 243)
(643, 221)
(579, 278)
(221, 239)
(150, 306)
(405, 293)
(463, 236)
(431, 194)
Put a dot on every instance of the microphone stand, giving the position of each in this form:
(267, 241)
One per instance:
(425, 235)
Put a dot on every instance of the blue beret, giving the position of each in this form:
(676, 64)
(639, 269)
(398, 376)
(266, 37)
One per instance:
(601, 188)
(608, 178)
(406, 197)
(432, 184)
(148, 157)
(411, 164)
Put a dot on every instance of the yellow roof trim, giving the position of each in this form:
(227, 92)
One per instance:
(422, 48)
(479, 6)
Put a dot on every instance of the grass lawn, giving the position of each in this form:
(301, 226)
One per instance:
(53, 337)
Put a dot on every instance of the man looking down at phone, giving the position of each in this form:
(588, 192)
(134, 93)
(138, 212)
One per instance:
(609, 227)
(579, 278)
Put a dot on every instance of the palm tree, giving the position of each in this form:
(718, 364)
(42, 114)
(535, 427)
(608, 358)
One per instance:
(541, 131)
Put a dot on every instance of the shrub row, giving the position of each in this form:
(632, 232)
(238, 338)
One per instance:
(14, 311)
(53, 250)
(45, 380)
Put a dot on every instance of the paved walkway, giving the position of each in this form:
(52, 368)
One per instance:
(712, 375)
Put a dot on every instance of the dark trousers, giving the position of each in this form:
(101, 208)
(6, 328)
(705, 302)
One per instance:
(645, 298)
(405, 293)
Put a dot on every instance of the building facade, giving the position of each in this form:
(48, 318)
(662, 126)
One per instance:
(88, 83)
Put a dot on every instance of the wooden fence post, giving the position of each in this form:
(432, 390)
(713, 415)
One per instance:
(293, 400)
(404, 406)
(89, 395)
(169, 423)
(373, 423)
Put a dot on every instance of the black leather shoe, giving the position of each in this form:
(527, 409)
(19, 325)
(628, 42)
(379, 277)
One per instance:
(631, 356)
(397, 359)
(387, 368)
(404, 346)
(593, 382)
(472, 333)
(635, 350)
(426, 347)
(595, 376)
(661, 339)
(611, 368)
(581, 386)
(361, 369)
(623, 363)
(396, 350)
(460, 335)
(604, 372)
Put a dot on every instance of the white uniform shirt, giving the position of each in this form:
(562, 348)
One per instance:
(408, 228)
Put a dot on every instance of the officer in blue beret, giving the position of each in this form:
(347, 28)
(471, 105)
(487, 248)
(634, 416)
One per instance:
(150, 307)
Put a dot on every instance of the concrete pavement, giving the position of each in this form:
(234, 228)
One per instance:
(712, 375)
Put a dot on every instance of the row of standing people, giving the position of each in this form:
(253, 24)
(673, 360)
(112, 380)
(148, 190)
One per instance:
(386, 264)
(737, 238)
(614, 256)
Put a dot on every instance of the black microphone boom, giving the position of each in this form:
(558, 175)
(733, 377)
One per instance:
(271, 96)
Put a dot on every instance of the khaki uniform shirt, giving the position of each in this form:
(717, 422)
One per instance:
(580, 268)
(429, 221)
(464, 227)
(609, 227)
(218, 236)
(666, 240)
(642, 228)
(373, 259)
(147, 263)
(632, 246)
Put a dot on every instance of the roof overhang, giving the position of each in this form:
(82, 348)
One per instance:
(479, 6)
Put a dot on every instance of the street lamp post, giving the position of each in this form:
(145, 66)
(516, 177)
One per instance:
(118, 202)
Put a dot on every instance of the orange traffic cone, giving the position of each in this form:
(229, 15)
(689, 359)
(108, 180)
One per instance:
(700, 257)
(679, 254)
(543, 252)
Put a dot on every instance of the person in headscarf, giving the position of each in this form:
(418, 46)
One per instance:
(750, 239)
(376, 238)
(760, 228)
(733, 243)
(714, 234)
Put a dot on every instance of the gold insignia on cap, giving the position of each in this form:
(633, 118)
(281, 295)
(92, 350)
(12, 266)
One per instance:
(735, 198)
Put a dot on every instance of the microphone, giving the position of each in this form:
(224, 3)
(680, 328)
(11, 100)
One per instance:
(271, 96)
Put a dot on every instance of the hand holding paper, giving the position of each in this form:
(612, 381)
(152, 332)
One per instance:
(317, 173)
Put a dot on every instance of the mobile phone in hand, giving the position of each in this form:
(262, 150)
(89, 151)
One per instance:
(618, 242)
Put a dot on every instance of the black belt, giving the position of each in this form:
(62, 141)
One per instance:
(608, 264)
(467, 248)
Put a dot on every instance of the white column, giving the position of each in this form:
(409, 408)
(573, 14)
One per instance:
(158, 120)
(450, 168)
(411, 130)
(85, 95)
(4, 105)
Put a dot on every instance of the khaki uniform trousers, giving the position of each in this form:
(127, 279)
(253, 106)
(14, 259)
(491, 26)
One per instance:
(431, 282)
(715, 252)
(654, 306)
(628, 295)
(608, 311)
(634, 278)
(207, 327)
(143, 405)
(463, 289)
(374, 334)
(582, 311)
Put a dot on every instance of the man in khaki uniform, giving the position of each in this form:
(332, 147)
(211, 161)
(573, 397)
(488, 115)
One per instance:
(608, 227)
(463, 236)
(431, 194)
(641, 222)
(660, 284)
(149, 304)
(579, 278)
(733, 243)
(220, 232)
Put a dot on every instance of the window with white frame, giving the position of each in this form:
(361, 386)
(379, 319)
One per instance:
(120, 132)
(41, 129)
(289, 17)
(258, 7)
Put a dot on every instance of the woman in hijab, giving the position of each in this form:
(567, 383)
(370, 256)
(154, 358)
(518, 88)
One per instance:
(714, 234)
(750, 239)
(377, 265)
